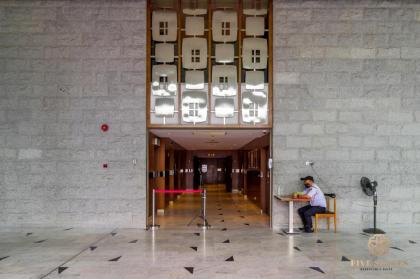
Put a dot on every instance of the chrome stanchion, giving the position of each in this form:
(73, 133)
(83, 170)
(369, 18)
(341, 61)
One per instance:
(154, 226)
(203, 209)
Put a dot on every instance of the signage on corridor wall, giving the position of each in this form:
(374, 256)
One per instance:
(203, 168)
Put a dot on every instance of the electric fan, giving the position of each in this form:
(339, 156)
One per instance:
(369, 188)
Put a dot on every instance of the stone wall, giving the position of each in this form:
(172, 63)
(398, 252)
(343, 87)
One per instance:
(66, 67)
(347, 96)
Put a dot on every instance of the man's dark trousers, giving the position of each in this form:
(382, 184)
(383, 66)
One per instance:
(306, 214)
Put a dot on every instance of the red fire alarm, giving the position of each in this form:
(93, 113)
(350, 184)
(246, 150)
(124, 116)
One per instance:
(105, 166)
(104, 127)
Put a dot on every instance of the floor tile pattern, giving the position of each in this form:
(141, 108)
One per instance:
(180, 249)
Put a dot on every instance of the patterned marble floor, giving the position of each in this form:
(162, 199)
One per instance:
(238, 247)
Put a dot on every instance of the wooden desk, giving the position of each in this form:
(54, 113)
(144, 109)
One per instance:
(290, 200)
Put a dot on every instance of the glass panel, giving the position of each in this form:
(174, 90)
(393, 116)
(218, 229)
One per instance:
(163, 109)
(194, 80)
(194, 25)
(164, 4)
(194, 7)
(254, 80)
(224, 26)
(219, 4)
(194, 106)
(164, 80)
(224, 91)
(224, 107)
(224, 110)
(255, 7)
(254, 106)
(224, 53)
(224, 82)
(194, 53)
(181, 61)
(164, 26)
(254, 53)
(164, 53)
(254, 26)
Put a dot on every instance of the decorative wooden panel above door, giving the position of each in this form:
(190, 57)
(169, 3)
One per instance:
(209, 63)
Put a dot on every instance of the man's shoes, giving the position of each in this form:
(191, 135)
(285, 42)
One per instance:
(308, 230)
(302, 229)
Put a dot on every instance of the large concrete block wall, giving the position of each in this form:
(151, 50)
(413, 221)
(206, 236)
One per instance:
(347, 96)
(66, 67)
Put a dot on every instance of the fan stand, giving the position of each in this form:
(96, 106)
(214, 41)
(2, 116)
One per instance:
(374, 230)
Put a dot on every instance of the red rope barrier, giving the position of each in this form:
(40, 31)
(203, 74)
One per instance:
(178, 191)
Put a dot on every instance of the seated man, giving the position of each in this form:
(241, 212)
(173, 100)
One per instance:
(317, 203)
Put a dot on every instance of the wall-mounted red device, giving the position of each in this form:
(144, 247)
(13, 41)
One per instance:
(104, 127)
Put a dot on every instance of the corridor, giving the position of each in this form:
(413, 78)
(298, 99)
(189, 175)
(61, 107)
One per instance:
(224, 210)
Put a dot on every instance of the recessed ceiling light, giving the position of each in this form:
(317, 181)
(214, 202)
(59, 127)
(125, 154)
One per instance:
(209, 133)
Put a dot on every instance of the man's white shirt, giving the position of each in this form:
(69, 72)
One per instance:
(317, 196)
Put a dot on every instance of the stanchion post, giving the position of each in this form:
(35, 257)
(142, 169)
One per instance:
(203, 206)
(153, 207)
(154, 226)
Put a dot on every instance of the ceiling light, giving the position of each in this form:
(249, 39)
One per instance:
(209, 133)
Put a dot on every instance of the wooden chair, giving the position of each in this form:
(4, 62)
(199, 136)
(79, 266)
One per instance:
(328, 214)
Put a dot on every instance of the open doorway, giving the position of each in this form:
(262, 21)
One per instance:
(231, 166)
(213, 171)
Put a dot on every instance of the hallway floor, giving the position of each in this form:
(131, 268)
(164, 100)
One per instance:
(228, 210)
(230, 249)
